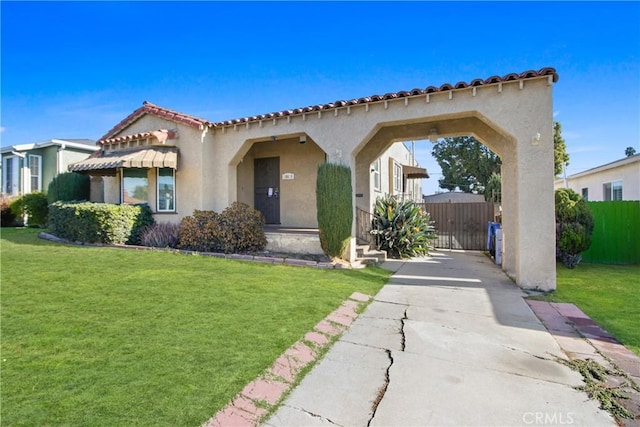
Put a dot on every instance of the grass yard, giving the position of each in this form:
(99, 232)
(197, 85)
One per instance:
(112, 337)
(609, 294)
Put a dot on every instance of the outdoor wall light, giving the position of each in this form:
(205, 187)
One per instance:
(536, 139)
(433, 134)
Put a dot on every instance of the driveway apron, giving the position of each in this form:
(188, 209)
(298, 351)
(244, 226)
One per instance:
(448, 341)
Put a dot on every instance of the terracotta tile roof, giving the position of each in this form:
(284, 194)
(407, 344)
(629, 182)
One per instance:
(149, 108)
(161, 135)
(548, 71)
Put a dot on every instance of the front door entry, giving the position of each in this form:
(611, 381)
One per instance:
(266, 183)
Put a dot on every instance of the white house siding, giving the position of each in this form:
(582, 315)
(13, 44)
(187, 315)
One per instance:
(626, 171)
(399, 154)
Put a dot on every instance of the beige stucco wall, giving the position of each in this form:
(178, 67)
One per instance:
(507, 117)
(298, 195)
(626, 170)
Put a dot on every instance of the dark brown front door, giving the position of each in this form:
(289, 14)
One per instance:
(266, 174)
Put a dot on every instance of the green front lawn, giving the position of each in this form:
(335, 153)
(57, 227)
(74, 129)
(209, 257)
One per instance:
(609, 294)
(112, 337)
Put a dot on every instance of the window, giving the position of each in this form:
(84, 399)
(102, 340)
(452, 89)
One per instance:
(612, 191)
(166, 190)
(585, 194)
(11, 175)
(35, 166)
(135, 186)
(397, 178)
(375, 169)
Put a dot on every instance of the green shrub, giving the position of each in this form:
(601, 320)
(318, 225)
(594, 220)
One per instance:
(245, 228)
(402, 229)
(161, 235)
(7, 216)
(239, 228)
(96, 222)
(334, 208)
(200, 232)
(69, 186)
(33, 206)
(143, 220)
(574, 226)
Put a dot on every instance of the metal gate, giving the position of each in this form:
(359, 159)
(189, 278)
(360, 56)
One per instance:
(461, 225)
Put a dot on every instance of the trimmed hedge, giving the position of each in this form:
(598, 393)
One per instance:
(99, 222)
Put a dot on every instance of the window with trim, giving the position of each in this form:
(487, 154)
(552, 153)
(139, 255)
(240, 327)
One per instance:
(612, 191)
(397, 177)
(10, 175)
(166, 190)
(35, 168)
(375, 170)
(585, 194)
(135, 186)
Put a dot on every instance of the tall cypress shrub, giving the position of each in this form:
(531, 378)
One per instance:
(69, 186)
(334, 207)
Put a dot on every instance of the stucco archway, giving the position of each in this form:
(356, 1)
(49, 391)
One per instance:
(512, 115)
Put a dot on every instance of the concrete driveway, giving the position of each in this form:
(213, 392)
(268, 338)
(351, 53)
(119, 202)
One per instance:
(448, 341)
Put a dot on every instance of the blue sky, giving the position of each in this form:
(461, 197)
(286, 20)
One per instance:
(75, 69)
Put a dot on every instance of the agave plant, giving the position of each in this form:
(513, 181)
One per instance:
(402, 229)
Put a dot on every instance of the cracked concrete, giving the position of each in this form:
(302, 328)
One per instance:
(448, 341)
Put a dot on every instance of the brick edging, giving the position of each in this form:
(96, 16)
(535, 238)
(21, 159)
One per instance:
(296, 262)
(263, 393)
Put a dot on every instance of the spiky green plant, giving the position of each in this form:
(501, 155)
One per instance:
(402, 229)
(334, 207)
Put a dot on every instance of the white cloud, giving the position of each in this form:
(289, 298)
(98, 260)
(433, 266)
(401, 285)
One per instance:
(2, 129)
(556, 114)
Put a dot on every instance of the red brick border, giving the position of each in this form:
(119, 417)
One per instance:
(261, 394)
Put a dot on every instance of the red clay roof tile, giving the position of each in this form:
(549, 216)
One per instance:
(149, 108)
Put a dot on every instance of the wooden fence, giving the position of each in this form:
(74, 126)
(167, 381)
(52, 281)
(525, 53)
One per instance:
(461, 225)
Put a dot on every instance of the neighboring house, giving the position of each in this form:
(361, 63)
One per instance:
(619, 180)
(454, 197)
(396, 173)
(31, 167)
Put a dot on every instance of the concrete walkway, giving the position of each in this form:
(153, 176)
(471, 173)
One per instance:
(449, 341)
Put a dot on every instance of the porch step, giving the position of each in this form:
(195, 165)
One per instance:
(366, 255)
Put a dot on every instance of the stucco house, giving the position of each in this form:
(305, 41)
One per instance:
(31, 167)
(179, 163)
(618, 180)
